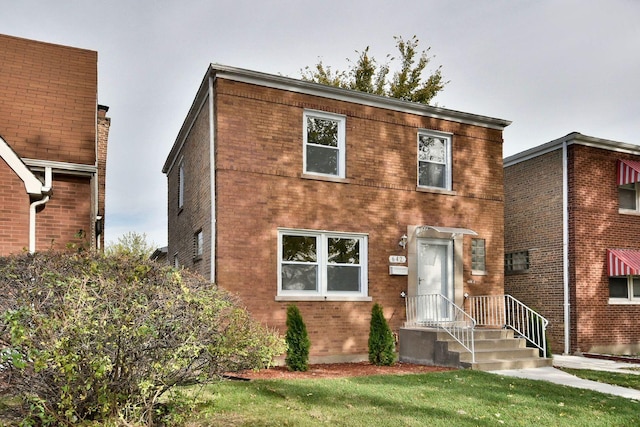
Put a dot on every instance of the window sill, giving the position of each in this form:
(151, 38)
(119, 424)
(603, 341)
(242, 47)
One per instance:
(322, 298)
(436, 190)
(629, 212)
(622, 301)
(478, 273)
(326, 178)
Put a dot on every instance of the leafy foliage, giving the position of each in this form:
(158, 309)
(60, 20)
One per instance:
(366, 75)
(88, 337)
(132, 244)
(381, 341)
(297, 339)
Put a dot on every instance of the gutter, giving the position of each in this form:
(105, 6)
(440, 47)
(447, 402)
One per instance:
(45, 192)
(565, 249)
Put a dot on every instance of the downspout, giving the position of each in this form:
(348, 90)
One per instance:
(212, 174)
(565, 248)
(46, 190)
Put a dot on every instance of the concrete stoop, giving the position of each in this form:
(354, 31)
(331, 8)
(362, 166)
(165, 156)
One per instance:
(496, 349)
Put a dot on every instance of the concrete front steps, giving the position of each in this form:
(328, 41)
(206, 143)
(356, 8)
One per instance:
(496, 349)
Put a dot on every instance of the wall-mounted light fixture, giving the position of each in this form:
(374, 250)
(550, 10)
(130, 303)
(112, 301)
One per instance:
(403, 241)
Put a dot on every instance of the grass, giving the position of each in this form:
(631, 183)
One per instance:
(460, 398)
(614, 378)
(452, 398)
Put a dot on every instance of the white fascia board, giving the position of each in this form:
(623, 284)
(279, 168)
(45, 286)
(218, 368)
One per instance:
(63, 167)
(570, 139)
(32, 184)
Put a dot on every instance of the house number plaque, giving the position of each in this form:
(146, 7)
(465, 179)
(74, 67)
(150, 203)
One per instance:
(397, 259)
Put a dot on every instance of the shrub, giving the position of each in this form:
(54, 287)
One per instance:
(381, 341)
(297, 339)
(88, 337)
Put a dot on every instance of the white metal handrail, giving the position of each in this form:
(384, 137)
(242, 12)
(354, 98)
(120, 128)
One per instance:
(506, 311)
(436, 310)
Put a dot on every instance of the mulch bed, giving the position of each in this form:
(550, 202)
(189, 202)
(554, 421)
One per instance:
(337, 370)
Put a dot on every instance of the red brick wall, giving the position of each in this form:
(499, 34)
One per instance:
(14, 212)
(259, 188)
(184, 223)
(533, 222)
(48, 112)
(48, 93)
(595, 226)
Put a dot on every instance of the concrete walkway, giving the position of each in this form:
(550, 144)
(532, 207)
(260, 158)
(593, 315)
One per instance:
(554, 375)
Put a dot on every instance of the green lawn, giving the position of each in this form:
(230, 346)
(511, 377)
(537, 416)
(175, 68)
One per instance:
(615, 378)
(454, 398)
(451, 399)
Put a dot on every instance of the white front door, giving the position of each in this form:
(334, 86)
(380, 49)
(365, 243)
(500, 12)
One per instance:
(435, 277)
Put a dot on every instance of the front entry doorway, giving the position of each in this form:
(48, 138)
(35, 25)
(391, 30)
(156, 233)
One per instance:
(435, 277)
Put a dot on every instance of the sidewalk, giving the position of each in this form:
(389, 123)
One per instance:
(554, 375)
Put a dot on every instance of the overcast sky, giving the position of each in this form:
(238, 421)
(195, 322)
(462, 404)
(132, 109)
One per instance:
(551, 67)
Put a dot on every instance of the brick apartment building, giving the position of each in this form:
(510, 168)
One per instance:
(284, 191)
(53, 145)
(572, 240)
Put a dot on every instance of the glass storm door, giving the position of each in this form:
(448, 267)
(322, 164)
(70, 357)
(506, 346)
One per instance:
(435, 277)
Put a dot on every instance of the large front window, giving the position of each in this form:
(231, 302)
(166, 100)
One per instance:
(434, 160)
(321, 264)
(324, 144)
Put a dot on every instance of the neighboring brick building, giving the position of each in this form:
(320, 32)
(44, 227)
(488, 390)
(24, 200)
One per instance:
(572, 240)
(53, 144)
(284, 191)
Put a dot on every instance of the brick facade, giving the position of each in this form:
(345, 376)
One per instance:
(533, 221)
(260, 187)
(49, 118)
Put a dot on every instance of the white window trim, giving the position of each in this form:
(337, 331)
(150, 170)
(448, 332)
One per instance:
(449, 166)
(198, 243)
(322, 294)
(341, 141)
(630, 300)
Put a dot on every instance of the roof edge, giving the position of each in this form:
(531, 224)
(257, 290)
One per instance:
(570, 139)
(32, 185)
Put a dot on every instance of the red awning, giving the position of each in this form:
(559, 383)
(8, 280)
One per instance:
(628, 171)
(623, 262)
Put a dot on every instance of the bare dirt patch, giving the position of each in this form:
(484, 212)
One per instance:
(338, 370)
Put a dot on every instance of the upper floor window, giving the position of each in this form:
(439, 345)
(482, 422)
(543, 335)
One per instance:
(434, 160)
(181, 185)
(322, 264)
(626, 288)
(324, 144)
(516, 261)
(478, 265)
(628, 196)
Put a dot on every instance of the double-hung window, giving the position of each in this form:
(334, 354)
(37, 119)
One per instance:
(324, 144)
(321, 264)
(628, 196)
(198, 245)
(434, 160)
(181, 186)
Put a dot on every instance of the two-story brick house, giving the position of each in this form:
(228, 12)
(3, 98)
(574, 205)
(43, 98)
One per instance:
(53, 145)
(285, 191)
(572, 240)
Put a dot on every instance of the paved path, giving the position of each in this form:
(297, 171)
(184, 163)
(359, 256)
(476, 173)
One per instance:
(554, 375)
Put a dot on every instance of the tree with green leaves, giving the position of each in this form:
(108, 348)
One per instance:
(366, 75)
(297, 340)
(132, 244)
(381, 341)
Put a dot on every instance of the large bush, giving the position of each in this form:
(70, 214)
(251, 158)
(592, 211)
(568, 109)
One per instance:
(297, 338)
(88, 337)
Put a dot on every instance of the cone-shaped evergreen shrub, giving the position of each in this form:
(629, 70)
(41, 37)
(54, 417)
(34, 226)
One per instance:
(381, 341)
(297, 339)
